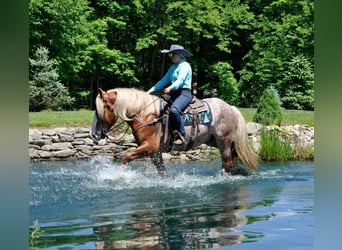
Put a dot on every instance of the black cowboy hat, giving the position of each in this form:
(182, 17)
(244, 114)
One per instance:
(177, 49)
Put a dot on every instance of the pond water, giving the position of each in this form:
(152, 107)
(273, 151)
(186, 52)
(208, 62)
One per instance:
(98, 204)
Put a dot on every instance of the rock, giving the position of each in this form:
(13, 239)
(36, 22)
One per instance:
(253, 128)
(49, 132)
(57, 146)
(63, 153)
(44, 154)
(75, 143)
(66, 137)
(82, 135)
(193, 157)
(40, 142)
(33, 153)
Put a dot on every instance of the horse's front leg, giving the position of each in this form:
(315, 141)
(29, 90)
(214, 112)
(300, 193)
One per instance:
(236, 167)
(157, 159)
(139, 152)
(229, 156)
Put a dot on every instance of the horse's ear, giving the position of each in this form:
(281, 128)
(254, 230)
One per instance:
(101, 93)
(112, 96)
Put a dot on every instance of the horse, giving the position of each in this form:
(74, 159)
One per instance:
(143, 113)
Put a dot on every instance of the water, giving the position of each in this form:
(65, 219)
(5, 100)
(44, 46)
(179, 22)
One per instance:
(99, 204)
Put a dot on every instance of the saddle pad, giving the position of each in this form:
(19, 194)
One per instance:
(204, 117)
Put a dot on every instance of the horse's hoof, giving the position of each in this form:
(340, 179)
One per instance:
(239, 171)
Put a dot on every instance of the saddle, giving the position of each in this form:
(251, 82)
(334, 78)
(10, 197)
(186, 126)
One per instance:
(197, 112)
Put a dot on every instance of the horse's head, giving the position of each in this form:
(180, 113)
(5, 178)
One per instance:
(104, 117)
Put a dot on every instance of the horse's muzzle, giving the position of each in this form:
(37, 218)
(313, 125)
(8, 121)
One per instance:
(98, 131)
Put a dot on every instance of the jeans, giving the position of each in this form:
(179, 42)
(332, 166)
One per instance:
(181, 99)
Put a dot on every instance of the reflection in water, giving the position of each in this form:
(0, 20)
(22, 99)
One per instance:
(193, 227)
(100, 205)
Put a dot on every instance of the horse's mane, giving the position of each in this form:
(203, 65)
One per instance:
(132, 103)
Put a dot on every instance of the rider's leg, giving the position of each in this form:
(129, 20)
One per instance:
(177, 107)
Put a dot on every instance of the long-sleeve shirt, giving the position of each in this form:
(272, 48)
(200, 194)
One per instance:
(180, 76)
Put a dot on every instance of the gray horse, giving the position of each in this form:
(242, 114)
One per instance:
(226, 129)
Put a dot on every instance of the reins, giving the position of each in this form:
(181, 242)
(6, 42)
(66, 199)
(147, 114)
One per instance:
(154, 121)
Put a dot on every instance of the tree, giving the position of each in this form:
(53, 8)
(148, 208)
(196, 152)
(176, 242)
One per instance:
(77, 40)
(283, 29)
(45, 90)
(297, 88)
(269, 108)
(223, 83)
(108, 44)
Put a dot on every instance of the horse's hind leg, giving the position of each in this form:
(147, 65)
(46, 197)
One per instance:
(237, 168)
(157, 159)
(230, 160)
(226, 154)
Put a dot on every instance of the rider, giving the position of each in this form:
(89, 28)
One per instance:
(180, 77)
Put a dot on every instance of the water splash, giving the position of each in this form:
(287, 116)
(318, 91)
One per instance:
(109, 174)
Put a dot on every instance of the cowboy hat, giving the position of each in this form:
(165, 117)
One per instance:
(177, 49)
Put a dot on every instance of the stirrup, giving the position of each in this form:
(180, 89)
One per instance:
(179, 139)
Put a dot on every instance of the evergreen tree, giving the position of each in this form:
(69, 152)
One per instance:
(269, 109)
(45, 90)
(297, 89)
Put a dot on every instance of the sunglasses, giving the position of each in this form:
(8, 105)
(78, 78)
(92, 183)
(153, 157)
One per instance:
(171, 54)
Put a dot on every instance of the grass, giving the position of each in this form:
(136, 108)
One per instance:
(290, 117)
(61, 118)
(85, 117)
(34, 236)
(273, 147)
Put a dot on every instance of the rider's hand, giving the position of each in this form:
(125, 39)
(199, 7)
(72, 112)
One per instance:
(167, 90)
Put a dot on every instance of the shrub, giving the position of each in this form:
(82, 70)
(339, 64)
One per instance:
(297, 87)
(34, 236)
(224, 83)
(269, 110)
(273, 148)
(45, 90)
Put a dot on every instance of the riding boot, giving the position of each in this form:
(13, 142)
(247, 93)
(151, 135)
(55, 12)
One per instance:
(179, 139)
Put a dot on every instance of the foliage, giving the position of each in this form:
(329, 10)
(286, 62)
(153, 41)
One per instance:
(269, 110)
(297, 85)
(276, 145)
(283, 29)
(34, 236)
(272, 147)
(45, 89)
(223, 82)
(110, 44)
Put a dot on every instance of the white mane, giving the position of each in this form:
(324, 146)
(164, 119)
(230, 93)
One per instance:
(133, 104)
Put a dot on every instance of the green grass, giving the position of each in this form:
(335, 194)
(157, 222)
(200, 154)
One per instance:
(273, 148)
(290, 117)
(61, 118)
(85, 117)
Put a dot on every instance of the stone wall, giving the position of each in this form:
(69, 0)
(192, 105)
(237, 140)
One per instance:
(67, 143)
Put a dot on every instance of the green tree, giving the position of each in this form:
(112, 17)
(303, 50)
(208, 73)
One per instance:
(45, 90)
(224, 83)
(297, 88)
(269, 108)
(108, 43)
(77, 39)
(60, 26)
(283, 29)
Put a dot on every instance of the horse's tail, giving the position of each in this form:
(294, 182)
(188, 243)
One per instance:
(242, 147)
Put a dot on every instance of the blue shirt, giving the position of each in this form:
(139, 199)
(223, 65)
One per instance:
(180, 75)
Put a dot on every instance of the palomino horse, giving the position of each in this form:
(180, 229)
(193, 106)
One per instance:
(142, 112)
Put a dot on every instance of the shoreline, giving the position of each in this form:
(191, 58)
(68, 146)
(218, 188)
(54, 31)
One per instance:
(74, 143)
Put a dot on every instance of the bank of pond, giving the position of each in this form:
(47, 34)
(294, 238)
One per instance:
(271, 143)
